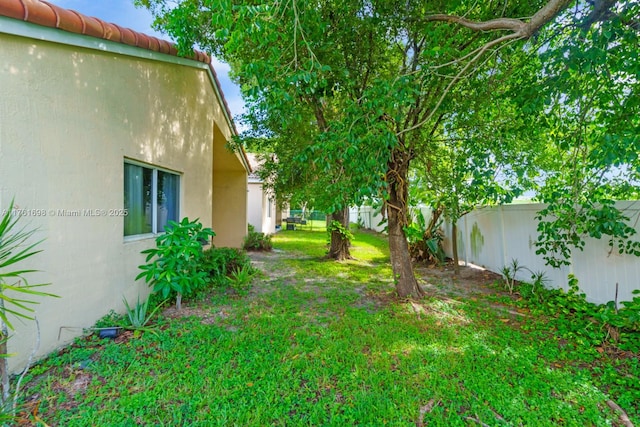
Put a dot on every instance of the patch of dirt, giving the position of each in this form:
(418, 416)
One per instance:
(471, 281)
(208, 315)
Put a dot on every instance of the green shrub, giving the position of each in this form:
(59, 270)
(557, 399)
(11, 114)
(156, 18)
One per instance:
(255, 241)
(176, 260)
(595, 324)
(228, 268)
(425, 239)
(219, 263)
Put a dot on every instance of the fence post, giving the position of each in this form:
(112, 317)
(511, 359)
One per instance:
(504, 239)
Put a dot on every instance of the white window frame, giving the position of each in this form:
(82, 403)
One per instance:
(154, 199)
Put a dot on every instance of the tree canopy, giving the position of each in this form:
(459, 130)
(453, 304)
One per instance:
(350, 92)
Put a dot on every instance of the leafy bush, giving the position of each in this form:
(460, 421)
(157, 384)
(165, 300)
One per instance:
(228, 267)
(176, 260)
(219, 263)
(425, 240)
(255, 241)
(591, 323)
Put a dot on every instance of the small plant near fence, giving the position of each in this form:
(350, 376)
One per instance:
(509, 272)
(256, 241)
(425, 239)
(173, 265)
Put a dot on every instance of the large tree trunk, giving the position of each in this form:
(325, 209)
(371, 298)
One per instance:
(454, 247)
(397, 210)
(406, 283)
(339, 249)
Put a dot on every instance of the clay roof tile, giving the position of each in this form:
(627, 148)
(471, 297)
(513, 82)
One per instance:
(92, 26)
(128, 36)
(111, 32)
(154, 44)
(15, 9)
(66, 19)
(143, 40)
(165, 47)
(39, 13)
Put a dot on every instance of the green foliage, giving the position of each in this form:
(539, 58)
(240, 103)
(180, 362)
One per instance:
(588, 86)
(219, 263)
(595, 324)
(15, 247)
(509, 273)
(175, 261)
(592, 331)
(323, 344)
(240, 280)
(628, 317)
(563, 226)
(111, 319)
(229, 267)
(336, 226)
(138, 315)
(16, 295)
(425, 240)
(255, 241)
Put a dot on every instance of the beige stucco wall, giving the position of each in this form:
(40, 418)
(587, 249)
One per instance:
(69, 116)
(229, 208)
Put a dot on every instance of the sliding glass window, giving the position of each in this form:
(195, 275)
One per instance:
(151, 197)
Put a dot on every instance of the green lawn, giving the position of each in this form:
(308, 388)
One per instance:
(320, 343)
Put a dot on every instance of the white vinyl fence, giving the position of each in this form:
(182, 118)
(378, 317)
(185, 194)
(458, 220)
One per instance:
(367, 217)
(492, 237)
(371, 218)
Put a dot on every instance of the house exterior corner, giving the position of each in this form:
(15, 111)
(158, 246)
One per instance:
(101, 144)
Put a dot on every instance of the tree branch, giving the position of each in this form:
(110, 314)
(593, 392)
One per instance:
(519, 30)
(517, 26)
(458, 76)
(512, 24)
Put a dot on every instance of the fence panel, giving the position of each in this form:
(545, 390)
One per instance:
(367, 217)
(493, 236)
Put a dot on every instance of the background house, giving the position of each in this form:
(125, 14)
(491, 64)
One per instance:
(262, 211)
(105, 134)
